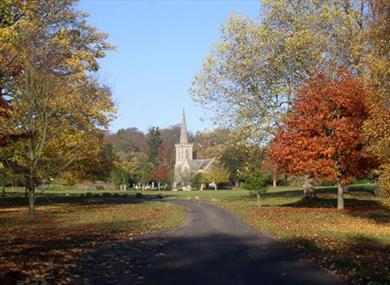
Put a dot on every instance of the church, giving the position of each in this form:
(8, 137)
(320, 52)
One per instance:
(185, 166)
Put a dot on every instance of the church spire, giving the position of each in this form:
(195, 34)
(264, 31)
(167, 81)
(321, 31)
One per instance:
(183, 131)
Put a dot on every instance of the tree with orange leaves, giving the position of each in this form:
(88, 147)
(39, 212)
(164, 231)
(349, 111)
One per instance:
(321, 136)
(160, 174)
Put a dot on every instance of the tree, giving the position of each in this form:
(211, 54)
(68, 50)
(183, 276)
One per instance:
(126, 142)
(154, 142)
(236, 156)
(160, 174)
(268, 166)
(184, 176)
(250, 78)
(216, 174)
(122, 173)
(3, 179)
(258, 183)
(169, 137)
(321, 136)
(239, 159)
(55, 100)
(377, 127)
(209, 143)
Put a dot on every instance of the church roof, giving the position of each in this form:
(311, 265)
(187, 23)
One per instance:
(199, 164)
(183, 130)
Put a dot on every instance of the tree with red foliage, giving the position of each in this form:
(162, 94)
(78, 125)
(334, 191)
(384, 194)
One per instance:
(321, 136)
(160, 174)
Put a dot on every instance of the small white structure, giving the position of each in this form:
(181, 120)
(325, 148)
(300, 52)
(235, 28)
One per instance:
(185, 166)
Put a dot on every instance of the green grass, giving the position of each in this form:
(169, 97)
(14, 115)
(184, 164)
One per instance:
(359, 194)
(195, 194)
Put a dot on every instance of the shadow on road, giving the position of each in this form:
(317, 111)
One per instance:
(210, 259)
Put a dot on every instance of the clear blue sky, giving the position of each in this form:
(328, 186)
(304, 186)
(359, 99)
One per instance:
(160, 48)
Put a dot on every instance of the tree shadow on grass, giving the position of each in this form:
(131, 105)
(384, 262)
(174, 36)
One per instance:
(361, 207)
(80, 199)
(49, 255)
(379, 215)
(353, 190)
(372, 210)
(299, 192)
(325, 202)
(360, 259)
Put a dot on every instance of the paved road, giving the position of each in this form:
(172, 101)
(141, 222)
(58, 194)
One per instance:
(213, 247)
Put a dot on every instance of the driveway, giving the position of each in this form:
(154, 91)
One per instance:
(213, 247)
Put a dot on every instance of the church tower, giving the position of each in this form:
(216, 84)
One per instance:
(183, 148)
(186, 167)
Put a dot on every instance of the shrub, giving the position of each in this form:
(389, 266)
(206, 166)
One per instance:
(258, 183)
(195, 183)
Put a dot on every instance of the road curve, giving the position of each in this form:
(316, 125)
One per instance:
(213, 247)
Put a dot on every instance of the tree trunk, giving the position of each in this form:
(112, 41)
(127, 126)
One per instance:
(237, 183)
(258, 200)
(308, 188)
(159, 186)
(274, 178)
(31, 201)
(3, 191)
(340, 196)
(216, 186)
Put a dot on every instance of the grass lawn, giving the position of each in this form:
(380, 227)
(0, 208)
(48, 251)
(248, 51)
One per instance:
(353, 243)
(46, 247)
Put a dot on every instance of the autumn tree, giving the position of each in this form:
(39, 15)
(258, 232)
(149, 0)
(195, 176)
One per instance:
(208, 143)
(127, 142)
(321, 136)
(160, 174)
(54, 98)
(249, 80)
(216, 174)
(120, 175)
(236, 155)
(377, 127)
(169, 137)
(10, 13)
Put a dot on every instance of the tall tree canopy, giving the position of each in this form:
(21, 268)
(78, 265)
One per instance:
(249, 80)
(377, 127)
(51, 53)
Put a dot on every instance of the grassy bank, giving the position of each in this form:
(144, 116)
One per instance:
(46, 248)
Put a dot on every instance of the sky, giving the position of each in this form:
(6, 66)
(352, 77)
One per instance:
(160, 47)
